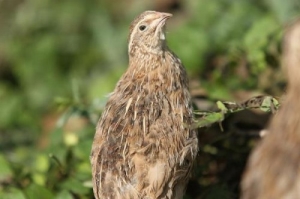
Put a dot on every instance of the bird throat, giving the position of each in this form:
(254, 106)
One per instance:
(162, 36)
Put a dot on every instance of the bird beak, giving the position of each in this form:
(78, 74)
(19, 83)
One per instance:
(165, 15)
(161, 21)
(162, 17)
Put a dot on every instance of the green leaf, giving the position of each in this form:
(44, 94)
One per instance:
(12, 193)
(35, 191)
(75, 186)
(208, 119)
(222, 107)
(42, 163)
(257, 39)
(5, 170)
(269, 104)
(64, 195)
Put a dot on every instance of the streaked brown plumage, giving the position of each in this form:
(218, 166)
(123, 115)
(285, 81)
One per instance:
(143, 146)
(273, 170)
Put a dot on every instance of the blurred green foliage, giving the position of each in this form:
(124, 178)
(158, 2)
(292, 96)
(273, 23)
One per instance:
(59, 59)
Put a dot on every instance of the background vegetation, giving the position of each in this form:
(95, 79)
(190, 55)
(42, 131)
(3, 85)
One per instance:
(59, 60)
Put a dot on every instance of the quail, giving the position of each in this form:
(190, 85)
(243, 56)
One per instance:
(143, 145)
(273, 170)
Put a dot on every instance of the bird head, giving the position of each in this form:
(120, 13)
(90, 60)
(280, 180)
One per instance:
(147, 32)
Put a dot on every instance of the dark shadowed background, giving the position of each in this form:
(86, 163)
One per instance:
(60, 59)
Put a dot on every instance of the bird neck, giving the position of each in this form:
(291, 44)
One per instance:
(139, 50)
(146, 61)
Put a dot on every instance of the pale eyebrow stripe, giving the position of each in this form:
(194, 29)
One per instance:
(145, 18)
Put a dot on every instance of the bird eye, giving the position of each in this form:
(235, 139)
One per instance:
(142, 27)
